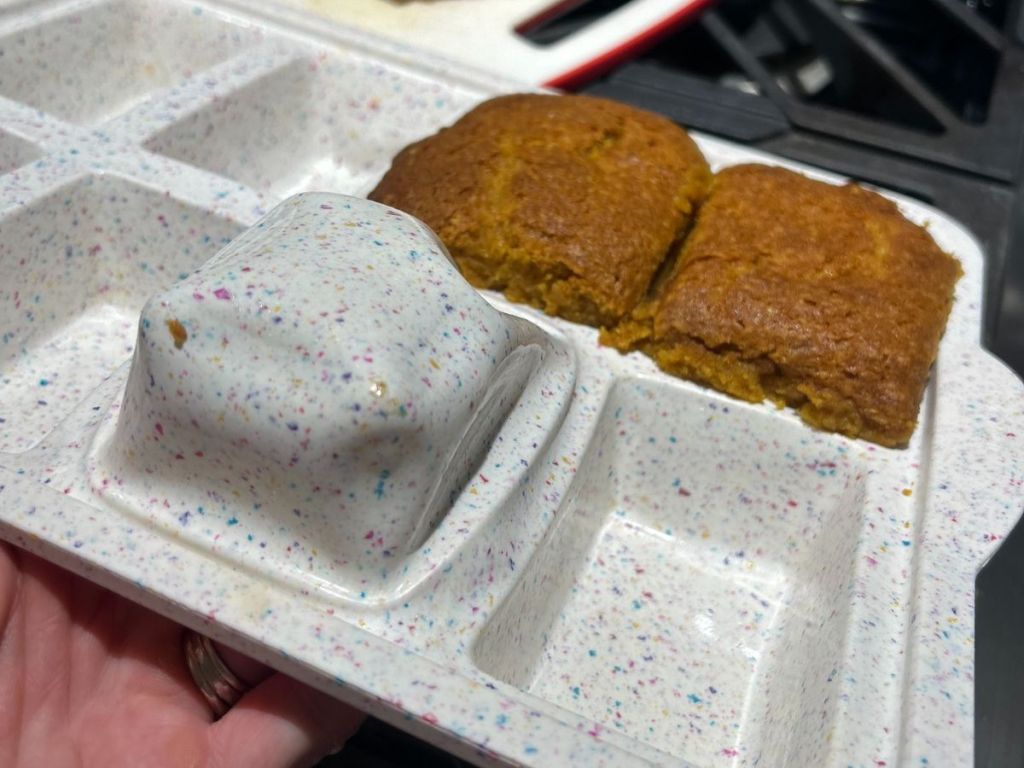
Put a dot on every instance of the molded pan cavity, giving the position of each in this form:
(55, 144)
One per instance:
(15, 151)
(328, 380)
(89, 64)
(76, 267)
(693, 592)
(315, 124)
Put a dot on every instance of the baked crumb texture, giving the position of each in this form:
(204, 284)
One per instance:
(821, 297)
(568, 203)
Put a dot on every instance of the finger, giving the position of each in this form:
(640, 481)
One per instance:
(248, 670)
(8, 583)
(12, 699)
(282, 722)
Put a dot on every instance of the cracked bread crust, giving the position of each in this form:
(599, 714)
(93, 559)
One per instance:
(817, 296)
(568, 203)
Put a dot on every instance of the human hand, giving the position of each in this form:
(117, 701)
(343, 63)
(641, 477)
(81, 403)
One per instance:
(88, 678)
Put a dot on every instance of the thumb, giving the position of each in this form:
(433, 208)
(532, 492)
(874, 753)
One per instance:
(281, 722)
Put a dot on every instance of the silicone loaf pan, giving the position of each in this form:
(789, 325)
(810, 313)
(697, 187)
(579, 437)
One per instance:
(233, 390)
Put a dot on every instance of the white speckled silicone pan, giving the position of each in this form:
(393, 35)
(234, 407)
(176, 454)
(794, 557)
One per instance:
(620, 569)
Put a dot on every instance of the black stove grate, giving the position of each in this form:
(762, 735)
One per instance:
(922, 96)
(928, 79)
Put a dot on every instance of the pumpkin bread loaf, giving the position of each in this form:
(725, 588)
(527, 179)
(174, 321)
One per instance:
(568, 203)
(818, 296)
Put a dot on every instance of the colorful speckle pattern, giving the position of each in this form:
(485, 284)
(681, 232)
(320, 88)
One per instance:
(342, 133)
(668, 615)
(85, 256)
(637, 572)
(328, 388)
(111, 54)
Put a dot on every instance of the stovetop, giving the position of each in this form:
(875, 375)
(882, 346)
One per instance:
(921, 96)
(925, 97)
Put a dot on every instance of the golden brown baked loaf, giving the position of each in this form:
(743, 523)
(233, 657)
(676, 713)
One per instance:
(818, 296)
(569, 203)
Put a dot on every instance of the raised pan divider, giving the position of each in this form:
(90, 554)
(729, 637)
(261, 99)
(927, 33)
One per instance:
(329, 381)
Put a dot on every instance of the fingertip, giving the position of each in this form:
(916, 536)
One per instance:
(282, 722)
